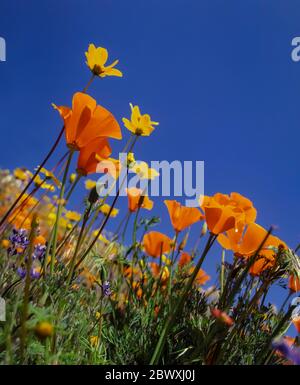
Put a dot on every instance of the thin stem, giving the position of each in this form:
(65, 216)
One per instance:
(73, 187)
(107, 216)
(59, 211)
(27, 287)
(88, 84)
(6, 215)
(222, 273)
(171, 318)
(78, 244)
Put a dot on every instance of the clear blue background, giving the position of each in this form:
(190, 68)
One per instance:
(217, 75)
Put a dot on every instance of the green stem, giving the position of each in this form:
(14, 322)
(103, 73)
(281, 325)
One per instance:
(222, 273)
(59, 211)
(73, 187)
(171, 269)
(78, 244)
(172, 316)
(34, 225)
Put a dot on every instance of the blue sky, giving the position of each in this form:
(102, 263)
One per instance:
(217, 75)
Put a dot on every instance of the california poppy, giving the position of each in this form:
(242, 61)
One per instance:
(184, 259)
(156, 243)
(224, 212)
(182, 216)
(201, 277)
(222, 316)
(140, 125)
(246, 243)
(87, 121)
(137, 199)
(89, 156)
(294, 284)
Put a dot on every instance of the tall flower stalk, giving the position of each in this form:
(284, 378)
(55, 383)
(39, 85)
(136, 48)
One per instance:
(59, 211)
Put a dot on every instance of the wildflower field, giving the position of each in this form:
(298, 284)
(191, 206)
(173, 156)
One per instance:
(80, 291)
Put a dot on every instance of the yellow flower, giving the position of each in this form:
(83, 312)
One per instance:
(42, 183)
(98, 315)
(105, 210)
(94, 340)
(73, 177)
(165, 260)
(5, 243)
(89, 184)
(101, 237)
(44, 329)
(73, 216)
(140, 125)
(96, 59)
(50, 175)
(130, 159)
(165, 274)
(144, 171)
(22, 174)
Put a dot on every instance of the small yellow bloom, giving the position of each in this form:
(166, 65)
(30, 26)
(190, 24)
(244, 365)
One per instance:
(98, 315)
(130, 159)
(41, 183)
(89, 184)
(5, 243)
(49, 175)
(96, 59)
(73, 216)
(140, 125)
(165, 274)
(73, 177)
(106, 208)
(44, 329)
(165, 260)
(144, 171)
(22, 174)
(94, 340)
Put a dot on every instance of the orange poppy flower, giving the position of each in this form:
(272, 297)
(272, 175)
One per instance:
(222, 316)
(39, 240)
(201, 277)
(184, 259)
(136, 199)
(88, 157)
(182, 216)
(156, 244)
(156, 271)
(224, 212)
(294, 284)
(245, 243)
(87, 121)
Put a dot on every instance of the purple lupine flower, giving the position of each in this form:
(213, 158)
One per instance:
(289, 352)
(21, 272)
(35, 274)
(106, 289)
(19, 240)
(39, 252)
